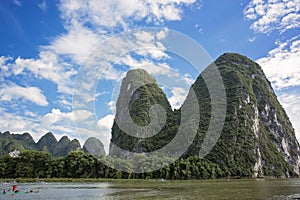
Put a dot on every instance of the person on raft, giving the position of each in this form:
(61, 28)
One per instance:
(14, 189)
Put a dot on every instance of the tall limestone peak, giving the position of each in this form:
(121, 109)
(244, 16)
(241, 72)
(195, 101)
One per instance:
(141, 102)
(257, 138)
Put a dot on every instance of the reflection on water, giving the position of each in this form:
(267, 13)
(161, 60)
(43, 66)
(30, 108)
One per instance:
(156, 189)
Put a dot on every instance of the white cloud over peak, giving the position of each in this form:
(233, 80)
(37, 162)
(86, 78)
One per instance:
(18, 124)
(16, 92)
(112, 106)
(282, 64)
(270, 15)
(104, 130)
(106, 121)
(178, 96)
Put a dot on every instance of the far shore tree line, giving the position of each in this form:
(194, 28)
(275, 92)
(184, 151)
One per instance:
(77, 164)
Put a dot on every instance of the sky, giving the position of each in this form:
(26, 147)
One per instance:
(53, 79)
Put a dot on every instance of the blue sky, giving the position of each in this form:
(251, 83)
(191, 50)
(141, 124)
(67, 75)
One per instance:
(46, 45)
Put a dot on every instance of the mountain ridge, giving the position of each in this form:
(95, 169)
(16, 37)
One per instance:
(10, 142)
(257, 138)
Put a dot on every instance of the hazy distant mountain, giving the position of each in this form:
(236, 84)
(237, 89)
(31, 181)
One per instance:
(47, 143)
(93, 146)
(64, 146)
(10, 142)
(257, 138)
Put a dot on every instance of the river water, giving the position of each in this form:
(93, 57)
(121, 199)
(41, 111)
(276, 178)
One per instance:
(160, 189)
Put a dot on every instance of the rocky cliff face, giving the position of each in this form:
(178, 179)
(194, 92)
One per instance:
(257, 138)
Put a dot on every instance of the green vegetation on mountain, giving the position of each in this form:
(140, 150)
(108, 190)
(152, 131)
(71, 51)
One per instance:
(10, 142)
(257, 138)
(142, 99)
(64, 146)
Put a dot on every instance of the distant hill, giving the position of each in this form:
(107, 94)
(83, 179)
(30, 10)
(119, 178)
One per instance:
(10, 142)
(94, 146)
(48, 143)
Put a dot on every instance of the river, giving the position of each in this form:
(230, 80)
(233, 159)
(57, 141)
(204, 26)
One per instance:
(161, 189)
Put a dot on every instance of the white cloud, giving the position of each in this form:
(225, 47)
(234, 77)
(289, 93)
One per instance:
(161, 70)
(282, 64)
(252, 39)
(149, 66)
(113, 13)
(3, 62)
(188, 79)
(112, 106)
(4, 67)
(30, 114)
(20, 124)
(57, 116)
(77, 43)
(15, 92)
(144, 36)
(178, 97)
(65, 101)
(15, 123)
(105, 124)
(199, 29)
(47, 66)
(270, 15)
(58, 122)
(291, 103)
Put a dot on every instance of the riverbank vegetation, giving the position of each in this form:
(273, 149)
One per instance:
(33, 165)
(77, 164)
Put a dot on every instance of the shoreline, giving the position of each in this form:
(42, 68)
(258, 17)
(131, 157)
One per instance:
(99, 180)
